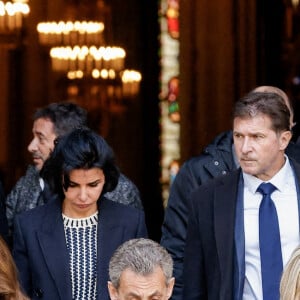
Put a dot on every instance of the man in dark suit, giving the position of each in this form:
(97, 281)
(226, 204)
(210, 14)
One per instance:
(225, 255)
(217, 159)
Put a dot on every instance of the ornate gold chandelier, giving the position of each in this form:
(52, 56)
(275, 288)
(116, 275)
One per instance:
(11, 22)
(79, 50)
(11, 15)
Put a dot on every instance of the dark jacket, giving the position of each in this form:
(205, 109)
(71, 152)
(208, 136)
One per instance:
(40, 250)
(212, 250)
(27, 194)
(216, 160)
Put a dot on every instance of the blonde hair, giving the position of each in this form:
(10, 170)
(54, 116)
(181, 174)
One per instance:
(290, 280)
(9, 284)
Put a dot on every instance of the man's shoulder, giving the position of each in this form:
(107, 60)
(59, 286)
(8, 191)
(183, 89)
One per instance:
(293, 151)
(30, 178)
(217, 192)
(218, 184)
(216, 158)
(221, 144)
(125, 183)
(27, 186)
(125, 192)
(295, 165)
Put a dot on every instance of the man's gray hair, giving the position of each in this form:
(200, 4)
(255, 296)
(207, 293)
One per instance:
(141, 256)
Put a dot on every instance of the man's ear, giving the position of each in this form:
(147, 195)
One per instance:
(285, 139)
(113, 293)
(170, 287)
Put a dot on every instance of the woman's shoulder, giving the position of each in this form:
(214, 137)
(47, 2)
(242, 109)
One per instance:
(119, 217)
(38, 213)
(108, 206)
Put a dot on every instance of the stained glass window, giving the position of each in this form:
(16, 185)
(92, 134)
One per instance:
(169, 92)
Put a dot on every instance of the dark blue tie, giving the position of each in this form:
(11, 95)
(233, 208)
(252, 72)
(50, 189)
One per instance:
(269, 244)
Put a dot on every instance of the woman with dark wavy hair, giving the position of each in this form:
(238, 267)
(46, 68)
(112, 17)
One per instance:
(9, 284)
(62, 249)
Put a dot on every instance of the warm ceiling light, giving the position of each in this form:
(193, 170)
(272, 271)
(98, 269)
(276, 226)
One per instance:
(79, 50)
(11, 15)
(295, 3)
(70, 33)
(86, 58)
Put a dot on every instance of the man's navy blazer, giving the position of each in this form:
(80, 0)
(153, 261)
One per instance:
(214, 254)
(41, 254)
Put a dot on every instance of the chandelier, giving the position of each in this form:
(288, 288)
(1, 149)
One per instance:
(71, 33)
(11, 15)
(80, 52)
(295, 3)
(11, 22)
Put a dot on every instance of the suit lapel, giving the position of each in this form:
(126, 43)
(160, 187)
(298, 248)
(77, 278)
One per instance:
(224, 222)
(109, 237)
(53, 245)
(296, 169)
(239, 242)
(225, 200)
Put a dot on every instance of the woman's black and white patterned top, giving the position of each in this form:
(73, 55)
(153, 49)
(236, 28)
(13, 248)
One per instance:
(81, 238)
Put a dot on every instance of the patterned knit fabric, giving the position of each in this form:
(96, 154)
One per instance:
(81, 238)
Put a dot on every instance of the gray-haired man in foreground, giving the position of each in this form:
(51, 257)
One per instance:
(141, 269)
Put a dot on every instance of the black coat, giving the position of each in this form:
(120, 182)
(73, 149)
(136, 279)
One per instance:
(216, 160)
(210, 262)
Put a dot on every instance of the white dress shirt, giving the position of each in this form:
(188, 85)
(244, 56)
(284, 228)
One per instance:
(285, 200)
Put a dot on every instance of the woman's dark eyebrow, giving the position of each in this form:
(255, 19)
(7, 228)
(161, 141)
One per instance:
(92, 182)
(96, 181)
